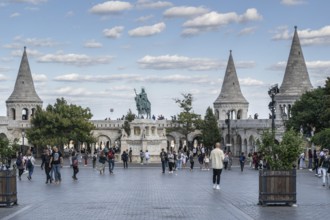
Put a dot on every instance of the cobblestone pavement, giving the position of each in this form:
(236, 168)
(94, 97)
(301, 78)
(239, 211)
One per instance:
(143, 192)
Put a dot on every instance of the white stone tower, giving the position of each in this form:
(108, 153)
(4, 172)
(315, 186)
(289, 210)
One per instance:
(231, 99)
(295, 82)
(22, 103)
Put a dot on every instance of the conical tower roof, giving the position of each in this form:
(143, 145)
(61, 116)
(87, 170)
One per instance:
(24, 90)
(296, 79)
(231, 90)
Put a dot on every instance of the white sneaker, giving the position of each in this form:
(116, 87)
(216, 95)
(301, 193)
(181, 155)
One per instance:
(218, 187)
(214, 186)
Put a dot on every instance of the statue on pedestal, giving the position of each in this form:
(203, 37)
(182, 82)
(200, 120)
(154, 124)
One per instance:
(142, 104)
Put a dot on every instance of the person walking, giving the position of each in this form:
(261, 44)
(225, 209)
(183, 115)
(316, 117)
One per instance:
(163, 156)
(206, 162)
(141, 156)
(217, 157)
(324, 165)
(242, 161)
(102, 160)
(147, 156)
(179, 160)
(192, 162)
(310, 159)
(316, 162)
(226, 161)
(111, 160)
(30, 164)
(56, 162)
(45, 165)
(20, 165)
(124, 158)
(130, 154)
(170, 157)
(75, 165)
(94, 160)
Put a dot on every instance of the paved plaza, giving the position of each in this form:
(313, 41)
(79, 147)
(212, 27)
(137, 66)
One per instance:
(143, 192)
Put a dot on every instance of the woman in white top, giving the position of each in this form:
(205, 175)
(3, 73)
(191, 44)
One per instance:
(147, 155)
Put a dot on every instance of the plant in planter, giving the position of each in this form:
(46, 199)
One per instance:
(278, 184)
(8, 188)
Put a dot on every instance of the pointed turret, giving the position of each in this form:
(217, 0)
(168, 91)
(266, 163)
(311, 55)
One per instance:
(24, 98)
(231, 98)
(296, 79)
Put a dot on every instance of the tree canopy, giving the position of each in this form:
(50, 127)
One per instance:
(210, 130)
(60, 123)
(129, 117)
(311, 113)
(187, 120)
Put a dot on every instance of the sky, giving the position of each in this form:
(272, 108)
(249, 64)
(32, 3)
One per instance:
(95, 53)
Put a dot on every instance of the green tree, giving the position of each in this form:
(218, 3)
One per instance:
(7, 149)
(312, 112)
(128, 118)
(210, 129)
(59, 124)
(187, 120)
(281, 156)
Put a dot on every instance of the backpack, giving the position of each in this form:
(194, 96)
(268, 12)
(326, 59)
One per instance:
(179, 156)
(29, 164)
(110, 154)
(75, 162)
(19, 161)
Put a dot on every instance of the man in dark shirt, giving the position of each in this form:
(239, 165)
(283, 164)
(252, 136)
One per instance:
(56, 161)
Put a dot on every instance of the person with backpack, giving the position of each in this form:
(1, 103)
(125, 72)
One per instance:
(324, 165)
(192, 162)
(102, 159)
(45, 164)
(75, 164)
(124, 158)
(20, 165)
(170, 157)
(111, 160)
(30, 164)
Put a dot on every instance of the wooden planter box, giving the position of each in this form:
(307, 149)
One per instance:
(8, 187)
(277, 187)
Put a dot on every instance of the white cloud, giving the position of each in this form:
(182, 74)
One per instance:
(69, 14)
(292, 2)
(185, 11)
(178, 62)
(13, 46)
(153, 4)
(114, 32)
(31, 53)
(317, 65)
(250, 82)
(111, 7)
(306, 36)
(14, 15)
(144, 18)
(39, 42)
(214, 20)
(92, 44)
(75, 77)
(2, 77)
(74, 59)
(147, 30)
(39, 77)
(35, 2)
(248, 30)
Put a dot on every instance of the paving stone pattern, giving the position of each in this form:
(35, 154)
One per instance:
(143, 192)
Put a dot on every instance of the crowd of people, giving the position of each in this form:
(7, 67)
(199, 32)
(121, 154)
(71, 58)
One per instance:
(52, 161)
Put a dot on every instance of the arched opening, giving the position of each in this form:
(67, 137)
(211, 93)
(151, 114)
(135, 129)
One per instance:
(13, 113)
(217, 115)
(245, 148)
(238, 146)
(252, 147)
(239, 114)
(25, 114)
(33, 111)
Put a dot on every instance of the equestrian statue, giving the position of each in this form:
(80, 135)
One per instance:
(143, 105)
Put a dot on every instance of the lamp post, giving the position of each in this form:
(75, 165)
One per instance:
(272, 93)
(228, 126)
(23, 136)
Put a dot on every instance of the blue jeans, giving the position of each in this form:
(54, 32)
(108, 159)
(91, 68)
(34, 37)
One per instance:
(178, 164)
(57, 172)
(31, 171)
(111, 165)
(163, 166)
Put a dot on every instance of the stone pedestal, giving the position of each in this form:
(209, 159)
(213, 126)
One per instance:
(145, 135)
